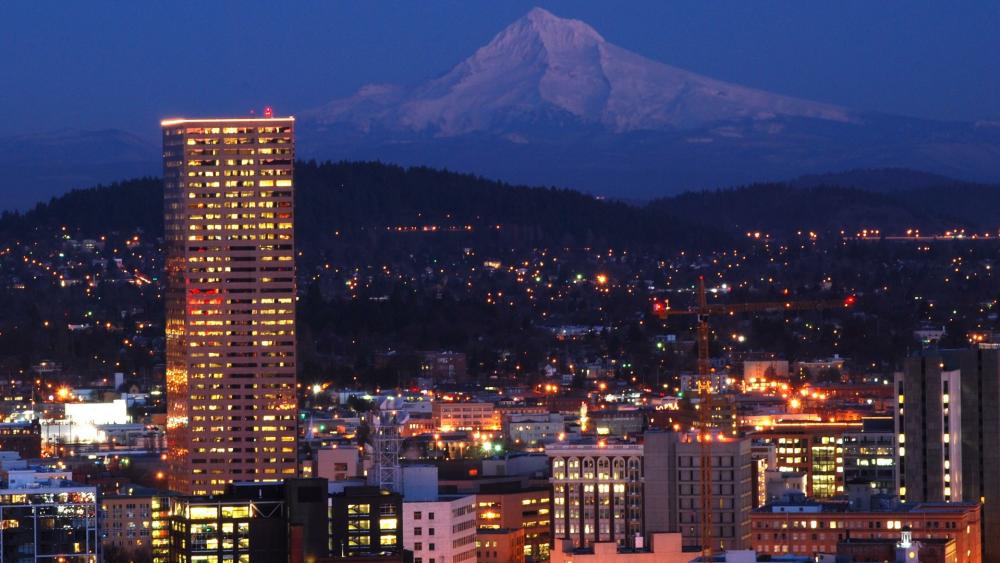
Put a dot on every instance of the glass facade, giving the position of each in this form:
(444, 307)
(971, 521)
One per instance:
(57, 523)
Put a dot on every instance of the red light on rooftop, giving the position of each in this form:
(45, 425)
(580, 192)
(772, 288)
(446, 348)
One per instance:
(268, 112)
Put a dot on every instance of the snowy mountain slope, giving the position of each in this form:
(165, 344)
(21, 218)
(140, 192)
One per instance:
(542, 63)
(550, 101)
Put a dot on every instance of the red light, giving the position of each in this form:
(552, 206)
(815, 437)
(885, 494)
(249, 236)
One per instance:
(850, 300)
(268, 112)
(657, 307)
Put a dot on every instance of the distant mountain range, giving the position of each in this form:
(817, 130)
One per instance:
(37, 167)
(550, 102)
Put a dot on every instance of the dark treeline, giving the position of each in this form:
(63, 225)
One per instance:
(353, 202)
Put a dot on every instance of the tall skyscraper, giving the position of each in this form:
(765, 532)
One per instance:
(230, 301)
(948, 426)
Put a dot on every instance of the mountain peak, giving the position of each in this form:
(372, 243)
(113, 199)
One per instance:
(549, 26)
(544, 74)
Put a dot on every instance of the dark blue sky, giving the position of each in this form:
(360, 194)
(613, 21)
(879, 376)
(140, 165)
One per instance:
(126, 64)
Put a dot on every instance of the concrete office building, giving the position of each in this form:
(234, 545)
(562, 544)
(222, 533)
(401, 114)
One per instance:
(366, 524)
(814, 449)
(230, 301)
(597, 493)
(47, 517)
(441, 530)
(732, 491)
(948, 426)
(809, 528)
(870, 456)
(500, 545)
(509, 506)
(249, 522)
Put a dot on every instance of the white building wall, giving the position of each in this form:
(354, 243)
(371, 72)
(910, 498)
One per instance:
(441, 531)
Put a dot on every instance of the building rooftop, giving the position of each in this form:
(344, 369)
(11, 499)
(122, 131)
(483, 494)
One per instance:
(814, 506)
(180, 120)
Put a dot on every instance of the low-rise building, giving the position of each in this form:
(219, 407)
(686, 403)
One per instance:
(25, 438)
(455, 415)
(809, 527)
(336, 463)
(48, 519)
(533, 429)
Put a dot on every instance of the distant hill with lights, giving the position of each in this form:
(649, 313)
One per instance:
(368, 206)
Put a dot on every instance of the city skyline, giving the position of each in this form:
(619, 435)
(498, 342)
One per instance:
(500, 283)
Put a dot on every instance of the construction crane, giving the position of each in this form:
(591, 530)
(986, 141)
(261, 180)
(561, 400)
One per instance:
(702, 311)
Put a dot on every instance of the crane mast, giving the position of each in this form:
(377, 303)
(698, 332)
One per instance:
(702, 312)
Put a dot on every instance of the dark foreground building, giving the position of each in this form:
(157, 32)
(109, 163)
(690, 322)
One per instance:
(251, 522)
(366, 525)
(948, 424)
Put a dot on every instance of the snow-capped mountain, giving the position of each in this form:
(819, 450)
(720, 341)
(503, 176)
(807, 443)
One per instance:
(545, 64)
(549, 100)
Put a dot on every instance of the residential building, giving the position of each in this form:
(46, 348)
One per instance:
(620, 423)
(765, 375)
(442, 530)
(597, 493)
(443, 366)
(230, 302)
